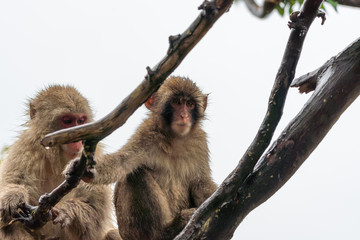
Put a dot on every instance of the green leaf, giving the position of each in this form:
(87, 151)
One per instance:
(280, 10)
(333, 3)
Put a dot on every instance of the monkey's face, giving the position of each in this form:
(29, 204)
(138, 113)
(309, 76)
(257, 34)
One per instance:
(72, 150)
(59, 107)
(178, 106)
(182, 116)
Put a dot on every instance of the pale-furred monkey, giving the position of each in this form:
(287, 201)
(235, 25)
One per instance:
(30, 170)
(163, 171)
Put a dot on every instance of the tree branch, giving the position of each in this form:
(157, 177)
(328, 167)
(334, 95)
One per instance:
(36, 217)
(180, 46)
(269, 5)
(338, 88)
(351, 3)
(92, 133)
(261, 11)
(206, 222)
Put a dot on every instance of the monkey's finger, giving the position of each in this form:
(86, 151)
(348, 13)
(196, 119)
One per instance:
(53, 214)
(65, 223)
(22, 219)
(89, 175)
(57, 220)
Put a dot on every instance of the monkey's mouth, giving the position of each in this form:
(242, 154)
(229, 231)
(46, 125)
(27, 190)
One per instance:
(72, 155)
(182, 125)
(181, 129)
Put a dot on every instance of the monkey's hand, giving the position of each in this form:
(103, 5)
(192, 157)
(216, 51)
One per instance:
(72, 168)
(185, 215)
(60, 216)
(179, 222)
(12, 203)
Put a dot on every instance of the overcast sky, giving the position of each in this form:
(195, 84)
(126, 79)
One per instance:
(103, 47)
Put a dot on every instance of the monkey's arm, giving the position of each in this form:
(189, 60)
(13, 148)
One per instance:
(179, 222)
(12, 196)
(114, 167)
(202, 189)
(85, 214)
(17, 188)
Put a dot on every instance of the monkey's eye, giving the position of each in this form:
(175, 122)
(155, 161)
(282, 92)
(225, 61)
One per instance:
(81, 120)
(190, 104)
(176, 101)
(67, 121)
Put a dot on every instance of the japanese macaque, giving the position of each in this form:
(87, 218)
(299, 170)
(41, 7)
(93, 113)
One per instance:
(163, 171)
(30, 170)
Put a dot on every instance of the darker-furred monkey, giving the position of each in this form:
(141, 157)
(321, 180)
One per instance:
(163, 171)
(30, 170)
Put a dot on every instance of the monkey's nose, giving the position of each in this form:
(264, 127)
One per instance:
(184, 115)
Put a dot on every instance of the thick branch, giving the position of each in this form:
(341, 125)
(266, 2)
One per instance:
(338, 88)
(203, 223)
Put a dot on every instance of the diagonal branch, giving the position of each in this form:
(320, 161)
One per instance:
(206, 221)
(35, 217)
(338, 88)
(92, 133)
(180, 46)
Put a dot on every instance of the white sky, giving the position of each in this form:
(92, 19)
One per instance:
(103, 47)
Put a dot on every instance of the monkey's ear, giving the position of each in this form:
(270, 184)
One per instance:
(205, 101)
(150, 102)
(32, 111)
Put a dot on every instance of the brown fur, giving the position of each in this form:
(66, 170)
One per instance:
(30, 170)
(162, 177)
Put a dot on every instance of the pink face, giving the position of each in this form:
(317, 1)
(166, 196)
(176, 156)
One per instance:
(72, 120)
(72, 150)
(182, 118)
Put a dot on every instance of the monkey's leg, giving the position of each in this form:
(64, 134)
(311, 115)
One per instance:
(113, 234)
(15, 232)
(142, 208)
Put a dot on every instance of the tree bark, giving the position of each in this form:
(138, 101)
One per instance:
(338, 86)
(203, 224)
(245, 188)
